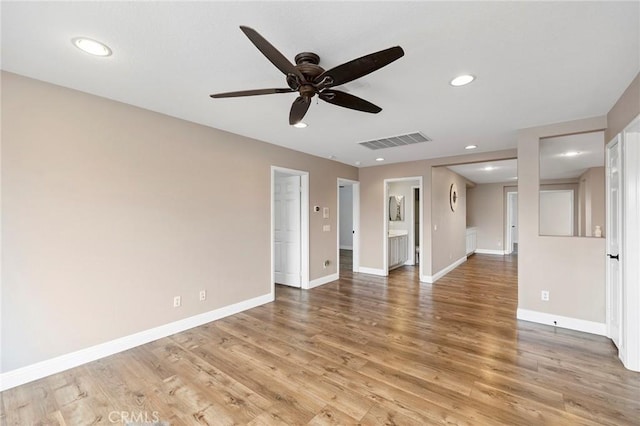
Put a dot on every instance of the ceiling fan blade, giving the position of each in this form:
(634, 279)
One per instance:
(271, 53)
(299, 109)
(250, 93)
(357, 68)
(346, 100)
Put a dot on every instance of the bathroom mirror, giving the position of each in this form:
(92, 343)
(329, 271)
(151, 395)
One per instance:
(572, 185)
(396, 208)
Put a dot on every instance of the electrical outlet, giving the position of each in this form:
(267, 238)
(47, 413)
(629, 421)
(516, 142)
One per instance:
(177, 301)
(203, 295)
(544, 295)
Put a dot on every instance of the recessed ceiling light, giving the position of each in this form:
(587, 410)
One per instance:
(461, 80)
(379, 159)
(300, 125)
(357, 163)
(571, 153)
(91, 46)
(488, 168)
(471, 147)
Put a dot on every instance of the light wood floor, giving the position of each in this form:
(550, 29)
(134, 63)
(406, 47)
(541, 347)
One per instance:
(363, 350)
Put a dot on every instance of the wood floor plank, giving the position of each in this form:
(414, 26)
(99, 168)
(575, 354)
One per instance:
(361, 350)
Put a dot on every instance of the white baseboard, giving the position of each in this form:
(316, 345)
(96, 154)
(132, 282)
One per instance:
(346, 247)
(592, 327)
(372, 271)
(64, 362)
(435, 277)
(489, 251)
(323, 280)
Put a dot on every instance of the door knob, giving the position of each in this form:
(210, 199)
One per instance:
(616, 257)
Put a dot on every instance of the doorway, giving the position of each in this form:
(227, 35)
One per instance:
(400, 244)
(348, 225)
(289, 228)
(416, 224)
(511, 231)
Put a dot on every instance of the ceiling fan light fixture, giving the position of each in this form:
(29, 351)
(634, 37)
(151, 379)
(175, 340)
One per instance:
(300, 125)
(462, 80)
(91, 47)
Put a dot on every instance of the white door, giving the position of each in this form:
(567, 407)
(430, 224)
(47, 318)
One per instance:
(556, 212)
(614, 234)
(287, 259)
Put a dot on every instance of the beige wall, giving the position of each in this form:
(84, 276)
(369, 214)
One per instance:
(109, 211)
(570, 268)
(486, 211)
(448, 241)
(592, 202)
(625, 110)
(372, 203)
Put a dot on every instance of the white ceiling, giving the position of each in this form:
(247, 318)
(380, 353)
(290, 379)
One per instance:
(500, 171)
(554, 164)
(536, 63)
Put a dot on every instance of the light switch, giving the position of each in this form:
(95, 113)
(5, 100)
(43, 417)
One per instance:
(326, 228)
(325, 212)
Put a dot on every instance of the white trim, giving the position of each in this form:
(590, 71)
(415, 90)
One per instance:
(630, 253)
(592, 327)
(489, 251)
(64, 362)
(346, 247)
(372, 271)
(323, 280)
(435, 277)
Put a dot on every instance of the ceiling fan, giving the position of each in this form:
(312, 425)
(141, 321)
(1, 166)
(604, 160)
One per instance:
(309, 79)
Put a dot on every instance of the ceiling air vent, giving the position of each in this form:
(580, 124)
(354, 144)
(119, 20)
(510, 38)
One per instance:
(393, 141)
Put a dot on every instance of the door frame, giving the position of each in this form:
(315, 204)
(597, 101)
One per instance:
(304, 225)
(508, 249)
(355, 208)
(385, 220)
(412, 247)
